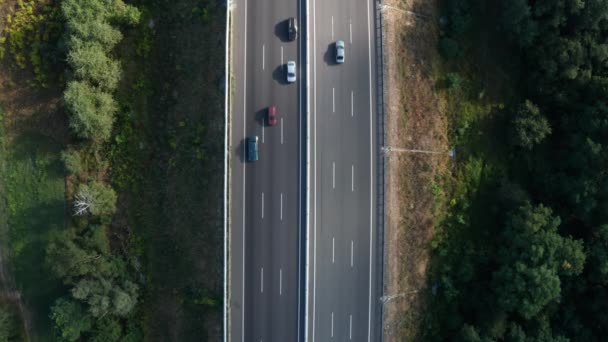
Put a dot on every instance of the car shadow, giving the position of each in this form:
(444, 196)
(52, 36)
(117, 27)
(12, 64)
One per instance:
(329, 57)
(260, 116)
(279, 74)
(239, 150)
(280, 30)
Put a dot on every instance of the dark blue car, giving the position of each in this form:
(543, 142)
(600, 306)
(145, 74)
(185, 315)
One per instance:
(252, 148)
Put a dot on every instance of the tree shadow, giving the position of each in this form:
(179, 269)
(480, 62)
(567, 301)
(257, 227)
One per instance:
(43, 151)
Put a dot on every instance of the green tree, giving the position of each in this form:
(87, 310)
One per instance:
(107, 329)
(518, 23)
(70, 319)
(529, 127)
(72, 257)
(469, 333)
(91, 63)
(449, 48)
(532, 257)
(104, 296)
(72, 161)
(9, 325)
(91, 111)
(598, 256)
(95, 198)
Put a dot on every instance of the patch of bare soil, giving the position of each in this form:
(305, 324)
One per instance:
(415, 119)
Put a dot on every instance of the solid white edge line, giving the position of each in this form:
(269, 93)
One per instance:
(371, 174)
(300, 182)
(227, 85)
(308, 99)
(244, 167)
(314, 60)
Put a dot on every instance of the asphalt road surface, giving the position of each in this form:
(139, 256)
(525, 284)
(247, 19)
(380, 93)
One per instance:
(343, 300)
(265, 267)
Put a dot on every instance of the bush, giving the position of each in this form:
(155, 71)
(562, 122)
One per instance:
(9, 325)
(70, 319)
(90, 63)
(449, 48)
(92, 111)
(99, 199)
(72, 161)
(453, 81)
(529, 126)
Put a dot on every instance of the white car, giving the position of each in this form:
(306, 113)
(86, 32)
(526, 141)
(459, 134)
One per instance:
(340, 52)
(291, 71)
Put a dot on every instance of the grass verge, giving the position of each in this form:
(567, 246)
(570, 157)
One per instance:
(167, 161)
(34, 192)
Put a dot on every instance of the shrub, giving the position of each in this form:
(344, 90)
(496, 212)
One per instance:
(453, 81)
(90, 62)
(529, 126)
(449, 48)
(72, 161)
(91, 111)
(97, 199)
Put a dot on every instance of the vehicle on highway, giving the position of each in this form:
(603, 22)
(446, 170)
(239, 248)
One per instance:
(291, 71)
(340, 52)
(271, 116)
(252, 148)
(292, 28)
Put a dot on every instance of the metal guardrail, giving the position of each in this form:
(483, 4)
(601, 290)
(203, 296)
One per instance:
(381, 160)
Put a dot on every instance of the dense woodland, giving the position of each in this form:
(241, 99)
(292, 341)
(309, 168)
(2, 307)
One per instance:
(523, 254)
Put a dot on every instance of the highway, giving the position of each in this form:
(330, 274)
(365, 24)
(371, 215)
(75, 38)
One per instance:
(344, 297)
(304, 266)
(265, 268)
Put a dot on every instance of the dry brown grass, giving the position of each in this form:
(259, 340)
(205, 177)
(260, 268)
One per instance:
(415, 119)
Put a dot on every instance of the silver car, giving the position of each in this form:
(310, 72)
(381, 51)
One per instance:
(340, 52)
(291, 71)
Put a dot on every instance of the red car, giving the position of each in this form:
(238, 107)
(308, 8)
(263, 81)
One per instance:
(271, 116)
